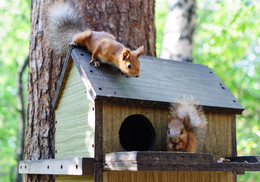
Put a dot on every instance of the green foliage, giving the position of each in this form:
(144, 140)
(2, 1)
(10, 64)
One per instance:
(227, 39)
(14, 41)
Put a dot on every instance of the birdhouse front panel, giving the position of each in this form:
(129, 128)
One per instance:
(126, 128)
(133, 128)
(75, 119)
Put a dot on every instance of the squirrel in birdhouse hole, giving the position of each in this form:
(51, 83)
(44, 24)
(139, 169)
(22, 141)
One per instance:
(64, 26)
(187, 126)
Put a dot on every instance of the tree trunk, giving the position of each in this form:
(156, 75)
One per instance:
(178, 32)
(132, 24)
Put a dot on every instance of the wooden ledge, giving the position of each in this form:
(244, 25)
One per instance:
(170, 161)
(68, 166)
(139, 161)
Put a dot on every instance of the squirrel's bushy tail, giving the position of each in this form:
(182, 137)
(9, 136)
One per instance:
(62, 23)
(198, 122)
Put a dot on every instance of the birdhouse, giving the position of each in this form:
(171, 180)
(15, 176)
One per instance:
(113, 128)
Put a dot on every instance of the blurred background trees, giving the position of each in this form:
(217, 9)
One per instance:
(14, 42)
(226, 38)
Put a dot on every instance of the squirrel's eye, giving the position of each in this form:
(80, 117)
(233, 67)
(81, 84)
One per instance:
(181, 132)
(129, 66)
(168, 131)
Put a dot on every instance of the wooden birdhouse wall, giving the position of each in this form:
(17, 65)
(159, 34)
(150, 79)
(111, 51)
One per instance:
(218, 141)
(221, 137)
(167, 176)
(75, 120)
(115, 114)
(154, 176)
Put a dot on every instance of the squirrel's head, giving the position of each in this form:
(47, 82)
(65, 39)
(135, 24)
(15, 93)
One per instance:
(177, 134)
(129, 63)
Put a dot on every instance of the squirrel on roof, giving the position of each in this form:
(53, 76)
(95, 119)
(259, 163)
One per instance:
(64, 27)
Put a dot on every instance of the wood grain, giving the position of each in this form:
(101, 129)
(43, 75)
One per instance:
(75, 118)
(163, 176)
(63, 178)
(114, 115)
(234, 136)
(219, 138)
(98, 167)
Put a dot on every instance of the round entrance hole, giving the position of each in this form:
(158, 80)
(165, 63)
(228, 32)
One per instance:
(137, 133)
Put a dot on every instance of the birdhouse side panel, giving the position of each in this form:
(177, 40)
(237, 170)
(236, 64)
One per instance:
(167, 176)
(75, 120)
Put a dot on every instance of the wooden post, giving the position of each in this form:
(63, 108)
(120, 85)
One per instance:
(98, 167)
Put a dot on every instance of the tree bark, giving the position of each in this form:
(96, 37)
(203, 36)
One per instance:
(132, 22)
(178, 32)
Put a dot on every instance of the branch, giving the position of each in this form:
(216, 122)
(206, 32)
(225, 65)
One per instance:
(22, 119)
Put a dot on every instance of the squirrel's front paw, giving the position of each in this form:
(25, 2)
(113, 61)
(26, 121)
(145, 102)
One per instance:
(96, 63)
(179, 146)
(73, 44)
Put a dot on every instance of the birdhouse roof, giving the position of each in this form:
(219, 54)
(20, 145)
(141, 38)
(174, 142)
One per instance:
(160, 83)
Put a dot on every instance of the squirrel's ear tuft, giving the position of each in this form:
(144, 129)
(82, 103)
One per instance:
(139, 51)
(126, 54)
(169, 119)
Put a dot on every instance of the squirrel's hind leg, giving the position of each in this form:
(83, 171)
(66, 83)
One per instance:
(80, 38)
(94, 59)
(191, 147)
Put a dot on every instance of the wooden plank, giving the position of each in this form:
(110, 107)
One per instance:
(154, 160)
(85, 178)
(174, 158)
(98, 131)
(75, 120)
(252, 159)
(219, 137)
(233, 135)
(161, 81)
(62, 81)
(166, 176)
(169, 161)
(98, 167)
(68, 166)
(82, 72)
(168, 166)
(98, 172)
(135, 161)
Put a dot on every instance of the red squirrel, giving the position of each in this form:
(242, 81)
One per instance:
(187, 126)
(64, 26)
